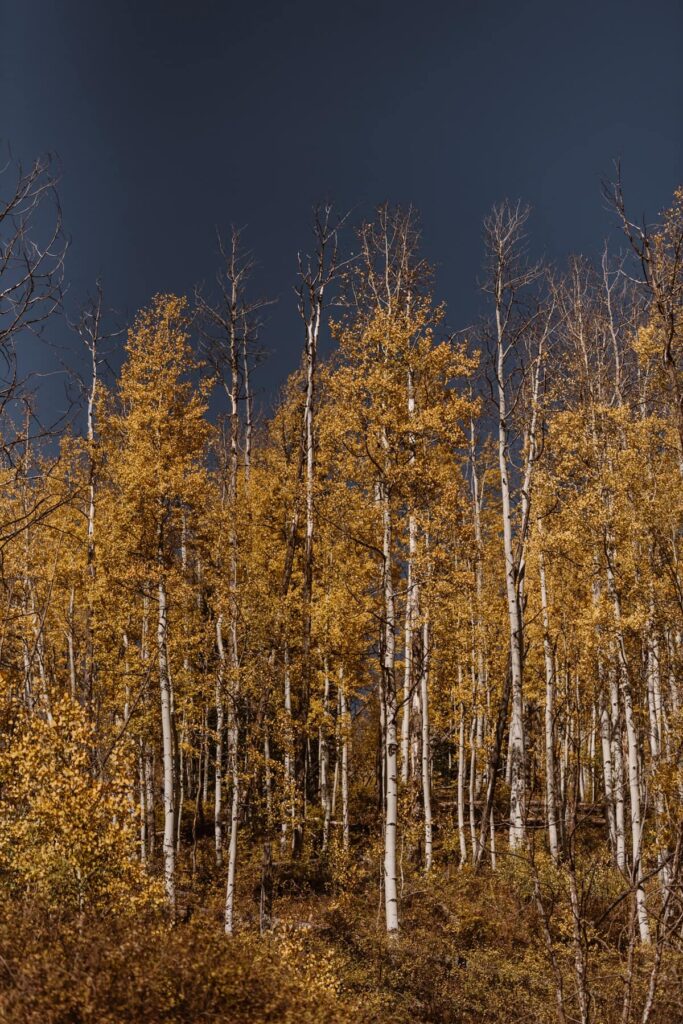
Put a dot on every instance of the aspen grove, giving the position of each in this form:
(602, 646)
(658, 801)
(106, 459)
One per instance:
(370, 708)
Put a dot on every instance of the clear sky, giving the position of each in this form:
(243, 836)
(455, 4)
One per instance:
(171, 118)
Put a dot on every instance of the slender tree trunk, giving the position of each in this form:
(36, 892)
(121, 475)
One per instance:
(148, 763)
(204, 781)
(654, 700)
(426, 745)
(492, 834)
(143, 805)
(335, 777)
(168, 752)
(234, 821)
(70, 643)
(288, 747)
(461, 781)
(407, 660)
(220, 727)
(390, 729)
(325, 795)
(411, 608)
(181, 783)
(345, 730)
(233, 737)
(605, 742)
(310, 360)
(618, 763)
(248, 406)
(632, 749)
(516, 750)
(472, 782)
(551, 798)
(266, 895)
(494, 763)
(90, 550)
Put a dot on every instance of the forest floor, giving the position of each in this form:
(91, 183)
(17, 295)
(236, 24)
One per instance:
(470, 951)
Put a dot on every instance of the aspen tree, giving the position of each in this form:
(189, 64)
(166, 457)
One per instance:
(549, 662)
(332, 639)
(377, 348)
(228, 331)
(508, 277)
(158, 436)
(659, 253)
(317, 273)
(96, 339)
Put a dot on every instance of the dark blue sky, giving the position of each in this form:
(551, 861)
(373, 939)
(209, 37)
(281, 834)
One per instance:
(170, 118)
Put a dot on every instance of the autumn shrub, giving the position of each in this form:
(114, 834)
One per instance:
(470, 951)
(67, 828)
(109, 969)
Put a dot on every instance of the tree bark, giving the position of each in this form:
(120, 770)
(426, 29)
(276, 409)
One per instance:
(550, 793)
(390, 727)
(426, 745)
(168, 752)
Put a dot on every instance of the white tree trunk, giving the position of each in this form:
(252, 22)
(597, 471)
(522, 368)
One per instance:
(345, 730)
(618, 771)
(472, 782)
(607, 775)
(407, 663)
(220, 725)
(324, 747)
(181, 783)
(232, 849)
(551, 796)
(288, 759)
(426, 746)
(143, 806)
(167, 741)
(390, 728)
(411, 607)
(516, 751)
(461, 782)
(632, 749)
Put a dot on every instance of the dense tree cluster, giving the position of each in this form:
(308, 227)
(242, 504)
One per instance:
(425, 622)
